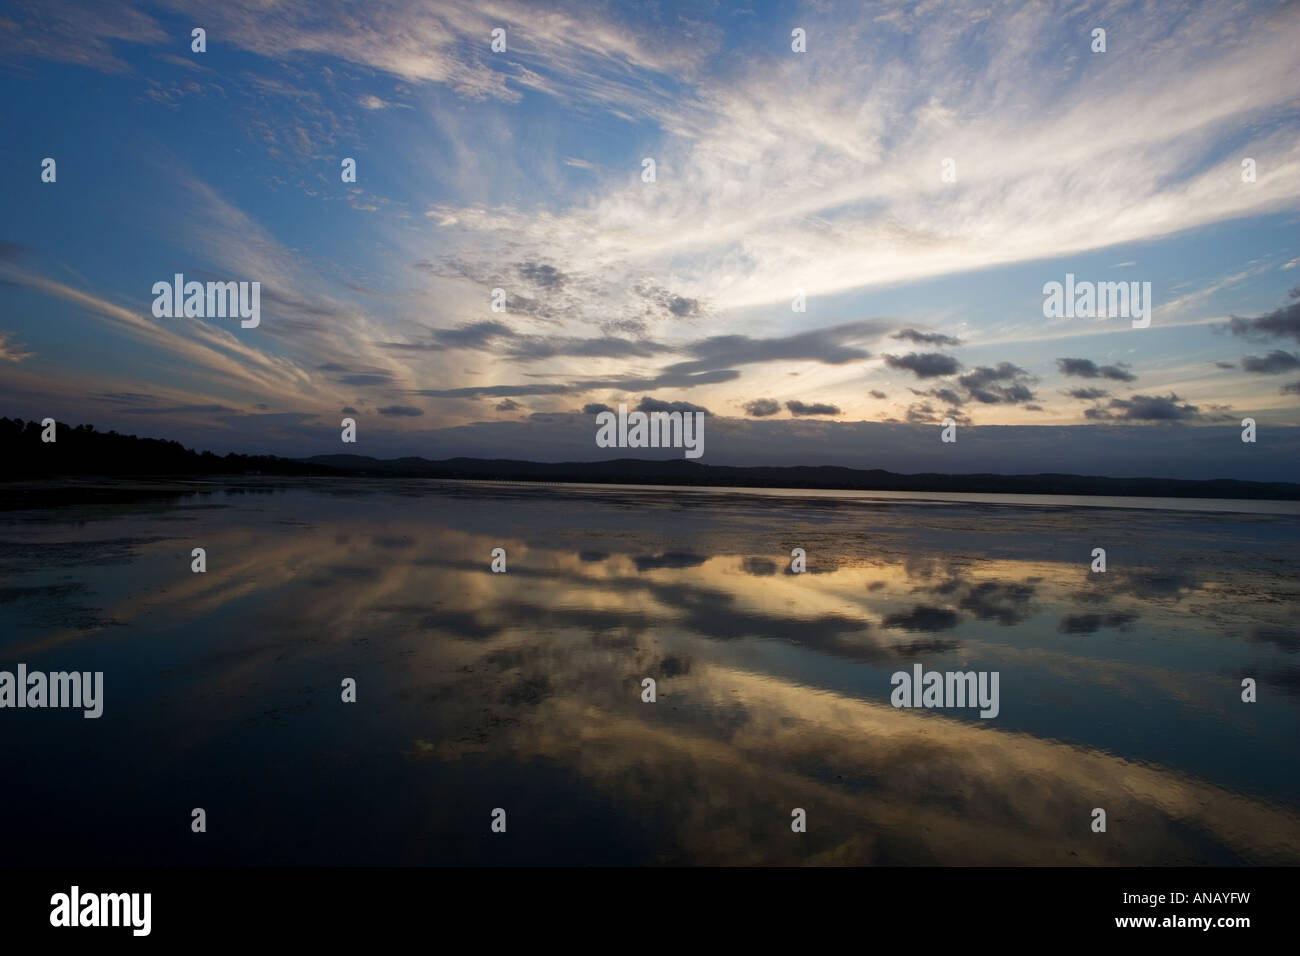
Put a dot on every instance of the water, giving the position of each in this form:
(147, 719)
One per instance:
(522, 690)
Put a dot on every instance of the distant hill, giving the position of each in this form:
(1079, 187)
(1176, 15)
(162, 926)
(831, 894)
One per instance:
(83, 451)
(830, 477)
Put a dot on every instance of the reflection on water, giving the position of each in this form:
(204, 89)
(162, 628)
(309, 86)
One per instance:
(523, 690)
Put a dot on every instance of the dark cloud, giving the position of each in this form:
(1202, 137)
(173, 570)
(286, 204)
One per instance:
(1091, 623)
(672, 303)
(831, 346)
(1224, 365)
(654, 405)
(1152, 408)
(682, 307)
(595, 408)
(367, 378)
(923, 618)
(923, 413)
(127, 398)
(624, 383)
(875, 394)
(176, 409)
(951, 396)
(1007, 604)
(545, 276)
(669, 559)
(924, 364)
(713, 362)
(666, 379)
(1086, 368)
(1280, 323)
(508, 405)
(533, 347)
(797, 407)
(400, 411)
(1087, 394)
(1007, 383)
(1274, 363)
(494, 391)
(762, 407)
(1290, 388)
(488, 336)
(834, 345)
(925, 338)
(475, 335)
(348, 410)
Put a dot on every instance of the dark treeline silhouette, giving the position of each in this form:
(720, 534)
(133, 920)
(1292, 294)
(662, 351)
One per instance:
(82, 451)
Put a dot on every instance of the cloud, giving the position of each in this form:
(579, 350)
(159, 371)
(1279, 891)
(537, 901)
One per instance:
(595, 408)
(877, 394)
(475, 335)
(1007, 383)
(799, 408)
(539, 274)
(948, 395)
(534, 347)
(648, 404)
(494, 391)
(177, 410)
(9, 352)
(82, 32)
(923, 618)
(1152, 408)
(1280, 323)
(508, 405)
(673, 303)
(762, 407)
(367, 378)
(1086, 368)
(401, 411)
(1087, 394)
(832, 345)
(925, 338)
(923, 413)
(780, 171)
(1274, 363)
(924, 364)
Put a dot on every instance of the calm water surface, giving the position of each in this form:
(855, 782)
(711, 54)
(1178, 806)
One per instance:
(523, 690)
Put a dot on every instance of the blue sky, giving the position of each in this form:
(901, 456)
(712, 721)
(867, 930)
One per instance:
(775, 171)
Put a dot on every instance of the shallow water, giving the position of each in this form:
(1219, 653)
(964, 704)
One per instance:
(522, 690)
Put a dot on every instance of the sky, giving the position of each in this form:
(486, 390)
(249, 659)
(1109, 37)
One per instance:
(839, 247)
